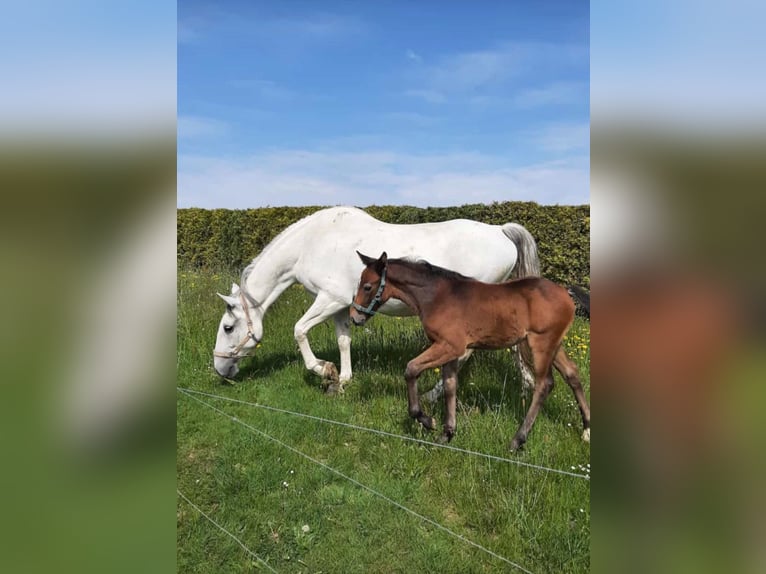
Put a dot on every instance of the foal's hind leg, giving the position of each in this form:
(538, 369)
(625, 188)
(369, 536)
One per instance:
(436, 355)
(568, 370)
(542, 347)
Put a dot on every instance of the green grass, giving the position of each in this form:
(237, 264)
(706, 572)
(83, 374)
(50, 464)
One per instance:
(537, 519)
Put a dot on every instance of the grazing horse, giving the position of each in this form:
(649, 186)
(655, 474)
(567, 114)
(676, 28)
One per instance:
(318, 252)
(460, 313)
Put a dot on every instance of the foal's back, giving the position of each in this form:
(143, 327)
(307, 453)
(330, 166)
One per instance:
(495, 316)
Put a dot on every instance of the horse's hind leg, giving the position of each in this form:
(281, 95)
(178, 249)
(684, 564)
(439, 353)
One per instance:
(523, 355)
(436, 355)
(449, 376)
(568, 370)
(436, 393)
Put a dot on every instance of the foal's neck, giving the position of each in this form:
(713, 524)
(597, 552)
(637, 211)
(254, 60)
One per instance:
(413, 287)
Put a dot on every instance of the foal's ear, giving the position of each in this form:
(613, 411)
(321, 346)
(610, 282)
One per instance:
(366, 260)
(380, 263)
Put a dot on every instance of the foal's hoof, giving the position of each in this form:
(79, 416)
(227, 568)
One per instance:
(445, 437)
(516, 444)
(427, 422)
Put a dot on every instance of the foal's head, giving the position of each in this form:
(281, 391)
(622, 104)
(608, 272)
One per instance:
(372, 291)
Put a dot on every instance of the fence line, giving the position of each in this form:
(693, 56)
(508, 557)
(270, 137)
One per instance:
(237, 540)
(390, 434)
(363, 486)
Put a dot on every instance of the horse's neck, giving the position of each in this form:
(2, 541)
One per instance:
(269, 275)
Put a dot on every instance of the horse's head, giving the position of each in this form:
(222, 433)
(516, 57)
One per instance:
(372, 292)
(239, 332)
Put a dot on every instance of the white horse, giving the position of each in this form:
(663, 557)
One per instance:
(319, 252)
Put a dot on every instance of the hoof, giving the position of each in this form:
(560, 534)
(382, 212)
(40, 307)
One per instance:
(586, 435)
(330, 372)
(516, 444)
(427, 422)
(334, 389)
(445, 437)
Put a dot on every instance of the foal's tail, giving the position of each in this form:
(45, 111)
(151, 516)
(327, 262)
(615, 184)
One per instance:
(528, 262)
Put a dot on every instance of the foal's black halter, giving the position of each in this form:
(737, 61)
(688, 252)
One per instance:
(370, 309)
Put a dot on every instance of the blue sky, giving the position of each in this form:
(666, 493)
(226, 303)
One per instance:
(422, 103)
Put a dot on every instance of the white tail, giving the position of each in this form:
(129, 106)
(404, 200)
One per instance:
(528, 262)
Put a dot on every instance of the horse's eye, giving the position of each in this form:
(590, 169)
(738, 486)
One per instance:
(367, 287)
(228, 328)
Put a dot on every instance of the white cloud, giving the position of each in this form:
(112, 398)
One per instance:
(563, 137)
(296, 177)
(556, 93)
(479, 70)
(193, 127)
(412, 56)
(266, 89)
(301, 32)
(412, 119)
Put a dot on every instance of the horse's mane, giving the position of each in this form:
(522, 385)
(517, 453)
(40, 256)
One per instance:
(289, 229)
(424, 266)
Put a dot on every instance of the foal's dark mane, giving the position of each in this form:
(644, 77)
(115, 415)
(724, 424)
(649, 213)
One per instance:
(423, 266)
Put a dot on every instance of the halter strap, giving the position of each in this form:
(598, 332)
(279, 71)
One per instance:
(235, 353)
(370, 309)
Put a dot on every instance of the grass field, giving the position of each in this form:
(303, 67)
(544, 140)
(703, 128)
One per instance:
(299, 517)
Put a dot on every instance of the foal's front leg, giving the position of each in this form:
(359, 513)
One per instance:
(435, 394)
(436, 355)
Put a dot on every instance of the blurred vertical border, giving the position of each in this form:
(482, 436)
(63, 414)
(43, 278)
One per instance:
(87, 313)
(678, 191)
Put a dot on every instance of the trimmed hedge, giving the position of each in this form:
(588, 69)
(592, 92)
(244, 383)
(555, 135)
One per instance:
(229, 239)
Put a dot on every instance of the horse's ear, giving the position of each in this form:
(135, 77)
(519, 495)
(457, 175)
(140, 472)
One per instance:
(383, 258)
(234, 289)
(231, 301)
(366, 260)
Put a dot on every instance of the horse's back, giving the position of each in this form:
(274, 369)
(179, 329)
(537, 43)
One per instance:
(333, 236)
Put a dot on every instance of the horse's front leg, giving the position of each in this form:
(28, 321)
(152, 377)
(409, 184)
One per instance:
(436, 355)
(322, 309)
(343, 334)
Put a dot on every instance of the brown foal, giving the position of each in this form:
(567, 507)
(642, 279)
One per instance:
(459, 313)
